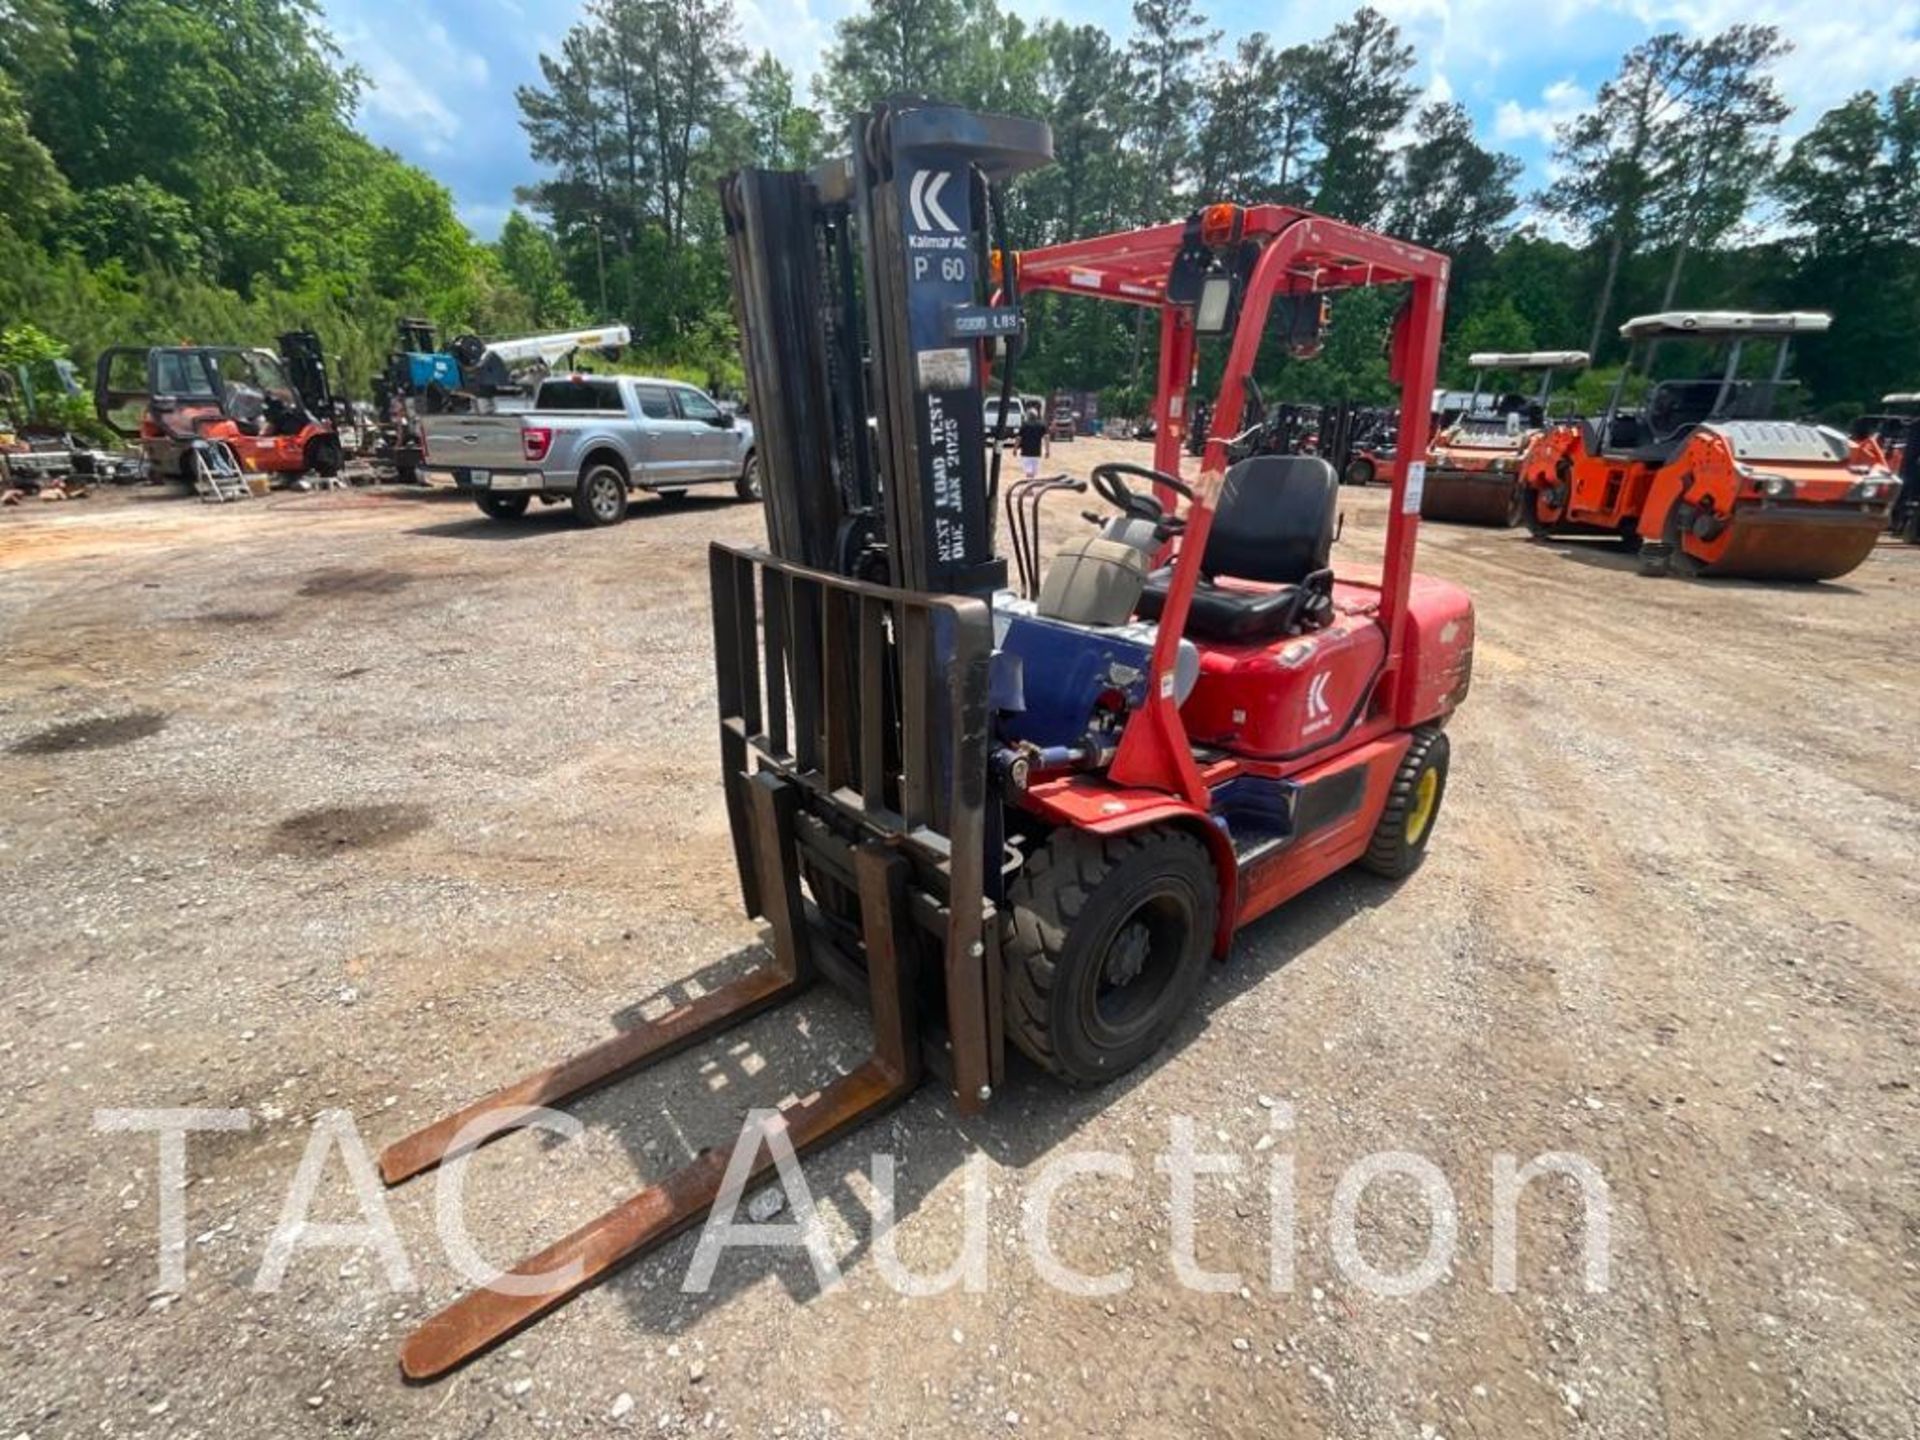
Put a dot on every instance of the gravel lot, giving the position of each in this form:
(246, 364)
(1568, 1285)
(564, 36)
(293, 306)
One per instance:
(359, 802)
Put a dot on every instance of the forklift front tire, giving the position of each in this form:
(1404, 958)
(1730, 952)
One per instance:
(1106, 948)
(1413, 804)
(324, 457)
(503, 507)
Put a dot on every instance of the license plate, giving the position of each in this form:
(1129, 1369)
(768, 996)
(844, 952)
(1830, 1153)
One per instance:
(480, 477)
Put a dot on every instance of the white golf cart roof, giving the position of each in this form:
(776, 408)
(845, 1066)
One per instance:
(1527, 360)
(1904, 397)
(1733, 324)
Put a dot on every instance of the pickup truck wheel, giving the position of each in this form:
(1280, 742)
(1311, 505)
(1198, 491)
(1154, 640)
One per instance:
(747, 487)
(503, 507)
(602, 496)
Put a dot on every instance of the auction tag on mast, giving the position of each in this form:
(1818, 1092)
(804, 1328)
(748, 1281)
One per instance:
(1416, 482)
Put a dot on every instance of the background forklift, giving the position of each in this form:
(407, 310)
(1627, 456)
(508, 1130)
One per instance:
(1891, 436)
(274, 412)
(1473, 472)
(997, 815)
(1896, 431)
(1701, 479)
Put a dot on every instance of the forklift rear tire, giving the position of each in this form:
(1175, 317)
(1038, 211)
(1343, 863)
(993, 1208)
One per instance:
(1413, 804)
(503, 507)
(1106, 948)
(601, 498)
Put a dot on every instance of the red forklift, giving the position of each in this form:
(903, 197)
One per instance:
(1028, 814)
(274, 412)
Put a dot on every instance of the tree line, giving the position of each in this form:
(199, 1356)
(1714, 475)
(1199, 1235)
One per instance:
(1674, 187)
(167, 170)
(180, 172)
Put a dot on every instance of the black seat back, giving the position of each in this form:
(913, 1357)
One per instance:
(1274, 520)
(1675, 406)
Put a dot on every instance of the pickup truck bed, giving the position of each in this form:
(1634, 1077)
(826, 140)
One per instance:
(591, 441)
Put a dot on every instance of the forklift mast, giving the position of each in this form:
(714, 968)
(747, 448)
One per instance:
(306, 363)
(862, 293)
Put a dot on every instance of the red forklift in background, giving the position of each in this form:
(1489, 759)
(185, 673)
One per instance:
(997, 814)
(273, 412)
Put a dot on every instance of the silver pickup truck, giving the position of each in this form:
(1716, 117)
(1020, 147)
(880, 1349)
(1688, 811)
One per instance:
(591, 441)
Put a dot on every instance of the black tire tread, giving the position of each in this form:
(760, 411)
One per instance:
(1047, 897)
(1388, 853)
(503, 507)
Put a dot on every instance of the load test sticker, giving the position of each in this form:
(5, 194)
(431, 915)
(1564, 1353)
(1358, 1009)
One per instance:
(1416, 482)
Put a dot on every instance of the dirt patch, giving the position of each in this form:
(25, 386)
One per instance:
(344, 581)
(335, 828)
(100, 733)
(239, 617)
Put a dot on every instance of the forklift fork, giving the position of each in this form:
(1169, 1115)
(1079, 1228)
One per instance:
(881, 783)
(483, 1318)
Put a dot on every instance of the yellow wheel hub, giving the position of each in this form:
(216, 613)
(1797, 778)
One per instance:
(1426, 799)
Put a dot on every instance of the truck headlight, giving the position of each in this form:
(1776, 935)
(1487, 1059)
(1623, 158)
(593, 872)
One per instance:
(1776, 487)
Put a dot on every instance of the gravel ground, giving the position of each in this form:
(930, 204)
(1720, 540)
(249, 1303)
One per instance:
(358, 802)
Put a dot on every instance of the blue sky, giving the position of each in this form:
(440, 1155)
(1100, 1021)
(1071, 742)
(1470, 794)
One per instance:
(442, 73)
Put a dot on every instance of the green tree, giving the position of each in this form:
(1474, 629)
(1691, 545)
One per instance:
(894, 47)
(530, 263)
(1850, 193)
(1851, 185)
(32, 189)
(1244, 124)
(1722, 153)
(1169, 37)
(782, 134)
(1357, 91)
(1450, 192)
(1612, 159)
(1498, 327)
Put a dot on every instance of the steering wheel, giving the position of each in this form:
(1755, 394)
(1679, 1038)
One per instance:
(1109, 483)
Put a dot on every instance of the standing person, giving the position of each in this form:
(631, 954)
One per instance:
(1033, 441)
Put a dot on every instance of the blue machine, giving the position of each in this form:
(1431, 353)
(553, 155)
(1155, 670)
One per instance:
(429, 369)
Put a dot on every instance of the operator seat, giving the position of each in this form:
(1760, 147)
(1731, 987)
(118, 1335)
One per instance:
(1273, 525)
(1673, 409)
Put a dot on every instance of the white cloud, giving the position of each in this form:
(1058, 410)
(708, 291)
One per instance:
(482, 218)
(1559, 102)
(408, 87)
(795, 32)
